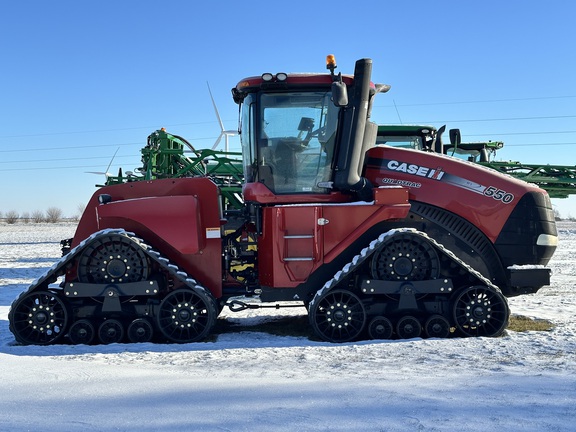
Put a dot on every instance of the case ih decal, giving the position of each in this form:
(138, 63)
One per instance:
(418, 170)
(440, 175)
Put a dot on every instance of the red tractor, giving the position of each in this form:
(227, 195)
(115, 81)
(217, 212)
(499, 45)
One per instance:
(376, 242)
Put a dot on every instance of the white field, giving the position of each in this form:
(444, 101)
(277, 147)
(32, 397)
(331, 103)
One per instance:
(254, 381)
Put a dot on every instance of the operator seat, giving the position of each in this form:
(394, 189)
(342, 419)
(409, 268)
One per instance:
(286, 163)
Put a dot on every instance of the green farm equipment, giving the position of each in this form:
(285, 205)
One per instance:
(558, 180)
(171, 156)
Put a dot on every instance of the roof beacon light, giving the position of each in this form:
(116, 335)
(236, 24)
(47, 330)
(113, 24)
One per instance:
(331, 62)
(267, 77)
(281, 76)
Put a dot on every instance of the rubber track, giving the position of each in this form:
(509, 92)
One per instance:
(373, 247)
(59, 268)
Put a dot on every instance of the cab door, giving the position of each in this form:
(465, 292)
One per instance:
(291, 247)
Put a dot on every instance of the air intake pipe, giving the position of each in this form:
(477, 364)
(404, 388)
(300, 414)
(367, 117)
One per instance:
(355, 139)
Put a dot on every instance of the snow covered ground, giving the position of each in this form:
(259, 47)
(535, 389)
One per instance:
(256, 381)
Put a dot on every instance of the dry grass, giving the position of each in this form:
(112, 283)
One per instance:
(520, 323)
(298, 326)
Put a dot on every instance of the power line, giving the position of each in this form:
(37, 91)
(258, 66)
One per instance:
(101, 130)
(500, 119)
(380, 106)
(126, 157)
(135, 155)
(521, 133)
(68, 148)
(479, 101)
(37, 149)
(91, 146)
(65, 159)
(55, 168)
(540, 144)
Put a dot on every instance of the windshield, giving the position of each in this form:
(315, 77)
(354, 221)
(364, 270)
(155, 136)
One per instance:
(295, 140)
(412, 142)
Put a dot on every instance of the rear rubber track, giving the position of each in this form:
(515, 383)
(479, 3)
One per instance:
(41, 316)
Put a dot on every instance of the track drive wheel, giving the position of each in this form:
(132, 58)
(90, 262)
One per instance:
(405, 257)
(481, 311)
(113, 259)
(81, 332)
(338, 316)
(186, 315)
(38, 318)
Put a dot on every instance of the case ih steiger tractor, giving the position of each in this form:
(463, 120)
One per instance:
(375, 241)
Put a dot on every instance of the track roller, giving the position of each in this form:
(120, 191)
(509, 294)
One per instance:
(81, 332)
(437, 327)
(380, 328)
(140, 330)
(408, 327)
(110, 331)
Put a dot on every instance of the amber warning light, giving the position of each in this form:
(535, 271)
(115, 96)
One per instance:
(330, 61)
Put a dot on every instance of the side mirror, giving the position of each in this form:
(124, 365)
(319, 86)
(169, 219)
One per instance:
(339, 94)
(455, 137)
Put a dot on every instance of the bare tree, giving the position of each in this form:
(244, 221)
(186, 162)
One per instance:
(25, 217)
(53, 214)
(80, 208)
(11, 217)
(37, 216)
(557, 215)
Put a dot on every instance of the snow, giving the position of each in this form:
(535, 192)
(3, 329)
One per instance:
(247, 380)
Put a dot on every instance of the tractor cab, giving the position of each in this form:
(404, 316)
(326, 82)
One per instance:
(407, 136)
(288, 140)
(304, 135)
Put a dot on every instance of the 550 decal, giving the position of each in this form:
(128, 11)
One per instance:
(499, 194)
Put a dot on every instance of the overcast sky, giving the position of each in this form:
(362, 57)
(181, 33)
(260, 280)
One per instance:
(81, 80)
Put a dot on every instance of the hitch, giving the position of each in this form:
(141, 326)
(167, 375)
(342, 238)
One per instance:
(237, 306)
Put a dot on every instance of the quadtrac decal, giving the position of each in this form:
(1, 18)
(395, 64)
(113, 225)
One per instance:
(437, 174)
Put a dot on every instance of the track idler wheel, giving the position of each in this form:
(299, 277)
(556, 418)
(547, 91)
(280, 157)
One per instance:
(81, 332)
(186, 315)
(140, 330)
(38, 318)
(481, 311)
(408, 327)
(380, 328)
(437, 327)
(338, 316)
(111, 331)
